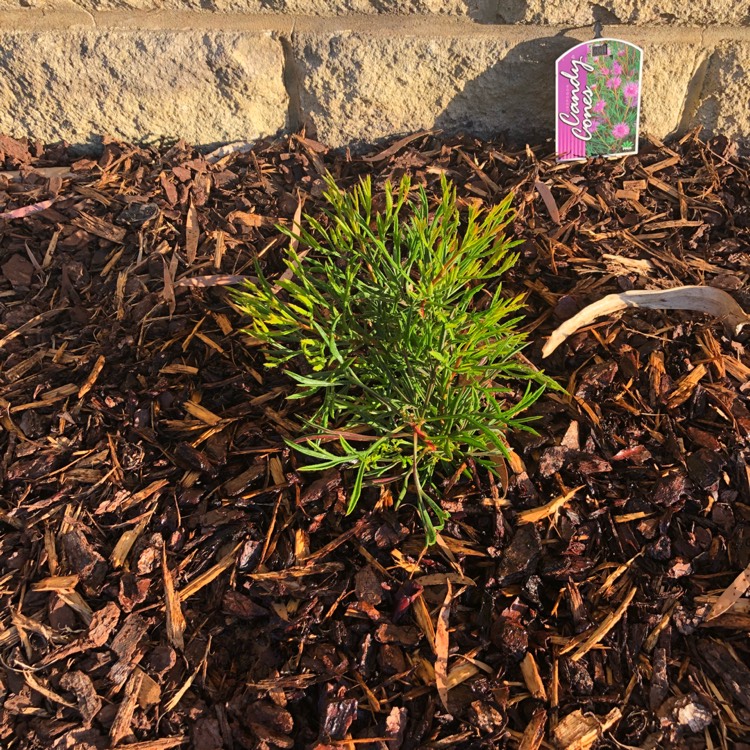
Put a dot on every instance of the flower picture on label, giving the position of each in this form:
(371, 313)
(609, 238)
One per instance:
(615, 83)
(598, 99)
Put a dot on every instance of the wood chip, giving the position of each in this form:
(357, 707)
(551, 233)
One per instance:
(579, 731)
(92, 376)
(730, 595)
(533, 735)
(397, 146)
(685, 386)
(192, 234)
(124, 717)
(150, 692)
(175, 620)
(80, 684)
(550, 509)
(200, 412)
(126, 541)
(549, 201)
(532, 678)
(211, 574)
(99, 227)
(56, 583)
(604, 627)
(441, 647)
(164, 743)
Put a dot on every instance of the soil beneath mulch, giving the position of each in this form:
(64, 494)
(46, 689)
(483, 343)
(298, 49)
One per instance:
(169, 576)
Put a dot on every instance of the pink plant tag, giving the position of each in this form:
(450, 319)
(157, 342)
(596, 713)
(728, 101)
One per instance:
(598, 99)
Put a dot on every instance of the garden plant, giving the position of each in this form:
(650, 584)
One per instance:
(397, 331)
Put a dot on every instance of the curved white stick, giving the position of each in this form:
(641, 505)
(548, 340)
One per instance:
(705, 299)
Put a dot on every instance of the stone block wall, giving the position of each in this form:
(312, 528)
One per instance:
(351, 71)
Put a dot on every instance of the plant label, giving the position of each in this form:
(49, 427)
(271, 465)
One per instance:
(598, 96)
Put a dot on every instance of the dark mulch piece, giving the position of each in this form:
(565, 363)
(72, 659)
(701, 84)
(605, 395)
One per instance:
(170, 578)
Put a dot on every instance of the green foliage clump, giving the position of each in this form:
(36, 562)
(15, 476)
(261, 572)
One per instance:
(408, 342)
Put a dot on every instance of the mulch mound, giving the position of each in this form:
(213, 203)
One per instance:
(169, 576)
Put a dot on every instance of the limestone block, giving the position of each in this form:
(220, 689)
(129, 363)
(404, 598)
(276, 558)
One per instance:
(565, 13)
(583, 13)
(724, 101)
(356, 86)
(478, 10)
(28, 6)
(204, 87)
(668, 70)
(360, 87)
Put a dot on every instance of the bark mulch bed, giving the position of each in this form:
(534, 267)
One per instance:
(169, 578)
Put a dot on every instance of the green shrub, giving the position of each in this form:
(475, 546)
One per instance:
(394, 327)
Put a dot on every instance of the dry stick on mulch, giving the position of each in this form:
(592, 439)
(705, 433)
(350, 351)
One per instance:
(171, 579)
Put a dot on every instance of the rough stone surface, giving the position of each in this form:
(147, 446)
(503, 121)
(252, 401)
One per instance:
(562, 12)
(583, 13)
(204, 87)
(668, 74)
(38, 5)
(210, 77)
(356, 87)
(478, 10)
(724, 101)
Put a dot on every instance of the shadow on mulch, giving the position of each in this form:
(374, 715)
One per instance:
(169, 577)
